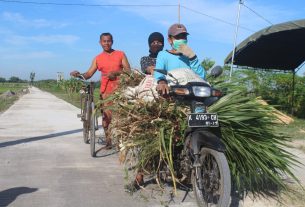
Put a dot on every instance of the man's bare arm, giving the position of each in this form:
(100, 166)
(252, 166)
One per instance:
(90, 72)
(92, 69)
(125, 63)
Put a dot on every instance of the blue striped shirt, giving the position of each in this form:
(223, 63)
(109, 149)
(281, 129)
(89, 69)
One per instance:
(168, 61)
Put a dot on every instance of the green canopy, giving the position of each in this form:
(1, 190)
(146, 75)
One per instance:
(280, 46)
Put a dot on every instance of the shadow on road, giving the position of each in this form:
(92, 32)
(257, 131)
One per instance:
(32, 139)
(9, 195)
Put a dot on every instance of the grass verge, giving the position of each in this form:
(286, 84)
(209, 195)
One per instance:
(295, 130)
(12, 86)
(72, 98)
(7, 101)
(292, 197)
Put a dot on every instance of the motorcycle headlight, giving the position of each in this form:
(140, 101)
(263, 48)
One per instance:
(202, 91)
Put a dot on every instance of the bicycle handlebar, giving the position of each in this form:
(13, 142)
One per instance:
(80, 76)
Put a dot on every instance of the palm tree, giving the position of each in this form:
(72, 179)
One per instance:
(207, 63)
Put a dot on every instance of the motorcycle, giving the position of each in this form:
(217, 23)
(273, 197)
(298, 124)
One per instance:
(201, 160)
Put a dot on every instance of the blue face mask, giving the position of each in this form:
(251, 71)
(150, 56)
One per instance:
(177, 43)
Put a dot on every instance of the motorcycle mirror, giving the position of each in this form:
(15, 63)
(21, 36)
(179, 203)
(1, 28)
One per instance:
(164, 72)
(216, 71)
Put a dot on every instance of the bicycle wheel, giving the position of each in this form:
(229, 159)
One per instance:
(212, 181)
(85, 118)
(103, 148)
(93, 127)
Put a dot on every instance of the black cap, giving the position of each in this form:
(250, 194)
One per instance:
(155, 36)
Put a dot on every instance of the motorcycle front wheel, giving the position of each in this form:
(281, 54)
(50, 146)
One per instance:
(212, 181)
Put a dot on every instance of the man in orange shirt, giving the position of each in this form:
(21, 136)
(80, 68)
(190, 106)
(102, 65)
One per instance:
(111, 64)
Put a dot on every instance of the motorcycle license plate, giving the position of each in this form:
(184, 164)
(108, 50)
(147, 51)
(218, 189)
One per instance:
(203, 120)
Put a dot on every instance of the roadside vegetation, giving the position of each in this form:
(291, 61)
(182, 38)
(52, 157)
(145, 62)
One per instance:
(12, 87)
(276, 89)
(67, 90)
(10, 92)
(296, 129)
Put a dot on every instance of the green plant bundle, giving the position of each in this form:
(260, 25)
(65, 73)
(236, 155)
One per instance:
(149, 126)
(255, 151)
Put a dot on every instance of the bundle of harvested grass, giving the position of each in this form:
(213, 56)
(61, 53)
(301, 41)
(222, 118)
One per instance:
(255, 152)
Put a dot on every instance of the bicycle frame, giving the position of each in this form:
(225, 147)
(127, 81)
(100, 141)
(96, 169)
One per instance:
(86, 102)
(87, 89)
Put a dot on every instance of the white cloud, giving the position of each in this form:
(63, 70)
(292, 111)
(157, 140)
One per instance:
(17, 18)
(44, 39)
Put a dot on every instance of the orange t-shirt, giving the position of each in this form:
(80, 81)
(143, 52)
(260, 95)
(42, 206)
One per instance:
(108, 62)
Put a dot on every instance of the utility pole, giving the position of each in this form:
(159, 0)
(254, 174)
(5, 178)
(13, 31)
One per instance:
(60, 76)
(178, 11)
(32, 76)
(235, 38)
(292, 97)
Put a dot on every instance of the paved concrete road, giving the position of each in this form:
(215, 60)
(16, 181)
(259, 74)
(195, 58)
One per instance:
(44, 162)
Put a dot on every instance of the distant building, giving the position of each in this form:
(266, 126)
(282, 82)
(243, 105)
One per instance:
(60, 76)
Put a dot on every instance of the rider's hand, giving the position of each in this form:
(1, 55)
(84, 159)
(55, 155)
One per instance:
(186, 51)
(112, 75)
(162, 87)
(75, 73)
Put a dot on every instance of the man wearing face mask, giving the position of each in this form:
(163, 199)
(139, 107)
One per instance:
(156, 44)
(180, 56)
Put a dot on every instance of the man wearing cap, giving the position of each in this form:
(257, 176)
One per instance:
(180, 56)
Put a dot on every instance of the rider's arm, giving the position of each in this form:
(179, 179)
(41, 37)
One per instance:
(160, 64)
(194, 63)
(196, 67)
(143, 64)
(147, 64)
(162, 86)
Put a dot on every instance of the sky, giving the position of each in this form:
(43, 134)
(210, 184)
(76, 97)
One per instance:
(46, 38)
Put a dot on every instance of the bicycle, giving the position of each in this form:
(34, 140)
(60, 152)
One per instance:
(89, 117)
(88, 114)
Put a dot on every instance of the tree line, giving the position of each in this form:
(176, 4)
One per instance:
(275, 87)
(12, 79)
